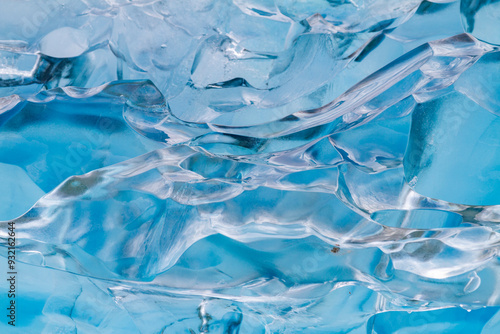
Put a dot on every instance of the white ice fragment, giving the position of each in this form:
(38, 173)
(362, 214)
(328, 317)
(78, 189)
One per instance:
(64, 42)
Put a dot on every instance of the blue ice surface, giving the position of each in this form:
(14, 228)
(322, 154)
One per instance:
(250, 166)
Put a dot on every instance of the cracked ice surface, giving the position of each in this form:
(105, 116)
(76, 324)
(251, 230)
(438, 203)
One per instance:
(251, 166)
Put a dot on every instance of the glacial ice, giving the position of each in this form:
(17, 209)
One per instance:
(251, 166)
